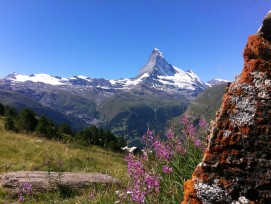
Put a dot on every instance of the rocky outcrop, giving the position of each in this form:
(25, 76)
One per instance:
(42, 181)
(236, 167)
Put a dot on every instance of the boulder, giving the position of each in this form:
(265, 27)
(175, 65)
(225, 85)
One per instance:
(236, 167)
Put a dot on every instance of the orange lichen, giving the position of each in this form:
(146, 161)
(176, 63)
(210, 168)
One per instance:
(190, 193)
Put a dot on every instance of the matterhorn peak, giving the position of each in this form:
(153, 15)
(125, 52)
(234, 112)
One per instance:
(158, 64)
(157, 52)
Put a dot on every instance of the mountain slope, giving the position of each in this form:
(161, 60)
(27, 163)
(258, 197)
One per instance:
(204, 105)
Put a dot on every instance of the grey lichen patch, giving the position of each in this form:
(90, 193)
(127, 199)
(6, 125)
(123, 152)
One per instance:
(227, 133)
(245, 105)
(210, 194)
(241, 200)
(261, 83)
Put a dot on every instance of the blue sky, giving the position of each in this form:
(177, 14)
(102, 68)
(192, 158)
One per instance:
(114, 38)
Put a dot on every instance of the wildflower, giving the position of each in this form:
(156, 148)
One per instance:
(27, 187)
(167, 169)
(90, 195)
(47, 162)
(191, 130)
(148, 139)
(59, 163)
(152, 183)
(197, 143)
(135, 167)
(137, 195)
(184, 120)
(162, 150)
(21, 198)
(202, 123)
(169, 135)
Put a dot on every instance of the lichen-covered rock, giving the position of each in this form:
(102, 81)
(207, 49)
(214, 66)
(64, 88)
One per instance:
(236, 167)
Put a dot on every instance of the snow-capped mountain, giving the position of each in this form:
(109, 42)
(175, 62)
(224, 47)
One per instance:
(157, 74)
(159, 92)
(214, 82)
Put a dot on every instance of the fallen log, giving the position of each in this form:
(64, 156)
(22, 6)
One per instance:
(42, 181)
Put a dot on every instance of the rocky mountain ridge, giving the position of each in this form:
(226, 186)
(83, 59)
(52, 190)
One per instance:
(157, 74)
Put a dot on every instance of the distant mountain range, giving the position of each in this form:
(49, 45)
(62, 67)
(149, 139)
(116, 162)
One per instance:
(126, 106)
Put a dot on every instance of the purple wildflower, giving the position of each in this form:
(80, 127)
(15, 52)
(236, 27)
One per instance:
(90, 195)
(184, 120)
(152, 183)
(27, 187)
(162, 150)
(169, 135)
(148, 139)
(197, 143)
(135, 167)
(137, 195)
(21, 198)
(59, 163)
(202, 123)
(191, 130)
(167, 169)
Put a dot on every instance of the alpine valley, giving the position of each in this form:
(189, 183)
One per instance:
(127, 106)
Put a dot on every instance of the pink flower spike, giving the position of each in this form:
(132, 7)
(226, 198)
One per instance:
(167, 169)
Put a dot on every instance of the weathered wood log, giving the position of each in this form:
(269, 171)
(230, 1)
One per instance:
(48, 181)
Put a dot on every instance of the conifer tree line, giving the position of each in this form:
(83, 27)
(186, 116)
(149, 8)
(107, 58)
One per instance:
(27, 121)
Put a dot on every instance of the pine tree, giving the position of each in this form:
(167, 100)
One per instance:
(27, 120)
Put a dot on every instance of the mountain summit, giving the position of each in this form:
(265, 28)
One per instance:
(158, 64)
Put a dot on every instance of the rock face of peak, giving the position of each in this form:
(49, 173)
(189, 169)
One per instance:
(214, 82)
(237, 162)
(158, 65)
(265, 30)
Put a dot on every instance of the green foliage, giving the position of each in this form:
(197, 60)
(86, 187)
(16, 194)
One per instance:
(46, 128)
(2, 109)
(9, 124)
(100, 137)
(9, 111)
(27, 120)
(65, 128)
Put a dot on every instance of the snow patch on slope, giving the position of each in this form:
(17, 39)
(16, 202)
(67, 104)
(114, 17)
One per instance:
(43, 78)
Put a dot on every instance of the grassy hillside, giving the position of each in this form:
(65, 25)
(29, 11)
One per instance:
(205, 105)
(27, 152)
